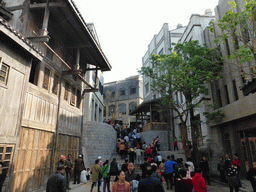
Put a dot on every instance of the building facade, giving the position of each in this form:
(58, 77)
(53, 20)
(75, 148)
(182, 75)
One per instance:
(160, 44)
(44, 56)
(237, 131)
(121, 98)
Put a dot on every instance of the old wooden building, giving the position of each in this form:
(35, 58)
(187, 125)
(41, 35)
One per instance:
(45, 50)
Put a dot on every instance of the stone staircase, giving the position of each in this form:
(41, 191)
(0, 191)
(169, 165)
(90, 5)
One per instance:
(121, 161)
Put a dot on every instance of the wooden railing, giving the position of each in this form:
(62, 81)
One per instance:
(155, 126)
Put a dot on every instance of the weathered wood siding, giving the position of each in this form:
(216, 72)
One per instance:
(33, 159)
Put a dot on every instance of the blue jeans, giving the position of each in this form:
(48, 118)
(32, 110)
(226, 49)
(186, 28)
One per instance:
(106, 184)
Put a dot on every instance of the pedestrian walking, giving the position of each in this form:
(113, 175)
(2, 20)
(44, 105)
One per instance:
(198, 181)
(113, 171)
(251, 176)
(57, 182)
(169, 170)
(232, 178)
(221, 169)
(159, 159)
(122, 150)
(61, 162)
(96, 174)
(121, 185)
(138, 155)
(132, 176)
(191, 166)
(79, 166)
(205, 170)
(68, 169)
(144, 166)
(105, 175)
(175, 144)
(237, 163)
(124, 167)
(157, 143)
(161, 169)
(183, 184)
(131, 155)
(150, 184)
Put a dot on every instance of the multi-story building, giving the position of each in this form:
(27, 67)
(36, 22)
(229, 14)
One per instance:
(237, 131)
(121, 98)
(45, 49)
(160, 44)
(195, 31)
(93, 101)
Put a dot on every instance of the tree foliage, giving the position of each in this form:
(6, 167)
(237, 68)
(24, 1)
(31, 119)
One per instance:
(187, 69)
(238, 26)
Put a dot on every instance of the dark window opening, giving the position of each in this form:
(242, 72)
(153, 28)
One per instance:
(55, 86)
(132, 90)
(46, 80)
(78, 99)
(33, 77)
(226, 94)
(122, 92)
(235, 90)
(219, 98)
(227, 47)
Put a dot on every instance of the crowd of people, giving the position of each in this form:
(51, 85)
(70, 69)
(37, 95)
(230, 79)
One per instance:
(156, 171)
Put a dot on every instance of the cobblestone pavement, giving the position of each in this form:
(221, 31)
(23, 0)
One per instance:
(214, 187)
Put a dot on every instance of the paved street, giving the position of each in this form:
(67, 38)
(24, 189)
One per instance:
(215, 186)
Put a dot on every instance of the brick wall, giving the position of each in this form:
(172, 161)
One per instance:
(98, 139)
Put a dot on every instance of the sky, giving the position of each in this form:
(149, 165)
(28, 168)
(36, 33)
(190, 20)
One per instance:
(125, 28)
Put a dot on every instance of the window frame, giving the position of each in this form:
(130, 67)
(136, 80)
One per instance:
(132, 92)
(122, 92)
(6, 72)
(4, 153)
(45, 76)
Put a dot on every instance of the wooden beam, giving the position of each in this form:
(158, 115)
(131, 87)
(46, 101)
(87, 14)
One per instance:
(39, 39)
(6, 13)
(14, 8)
(92, 69)
(51, 5)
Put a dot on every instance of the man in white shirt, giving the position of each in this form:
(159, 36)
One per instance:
(191, 166)
(138, 155)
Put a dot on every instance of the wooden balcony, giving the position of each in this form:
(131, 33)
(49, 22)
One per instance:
(155, 126)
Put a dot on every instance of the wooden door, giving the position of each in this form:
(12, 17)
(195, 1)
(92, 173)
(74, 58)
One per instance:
(33, 161)
(252, 145)
(245, 154)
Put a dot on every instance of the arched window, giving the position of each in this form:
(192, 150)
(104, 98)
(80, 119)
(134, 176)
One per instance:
(122, 108)
(132, 106)
(112, 109)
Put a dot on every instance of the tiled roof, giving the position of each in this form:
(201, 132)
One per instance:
(20, 36)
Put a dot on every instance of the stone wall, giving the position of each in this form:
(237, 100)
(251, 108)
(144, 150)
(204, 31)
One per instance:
(149, 136)
(98, 139)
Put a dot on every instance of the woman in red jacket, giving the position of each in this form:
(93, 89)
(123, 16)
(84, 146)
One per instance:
(199, 182)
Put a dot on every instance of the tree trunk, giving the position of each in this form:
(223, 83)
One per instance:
(168, 128)
(194, 134)
(184, 134)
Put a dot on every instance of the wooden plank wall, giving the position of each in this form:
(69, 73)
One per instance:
(33, 161)
(67, 145)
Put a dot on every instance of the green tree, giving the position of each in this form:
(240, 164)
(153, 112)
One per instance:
(239, 28)
(187, 69)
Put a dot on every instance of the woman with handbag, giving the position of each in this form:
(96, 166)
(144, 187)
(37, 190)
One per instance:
(105, 175)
